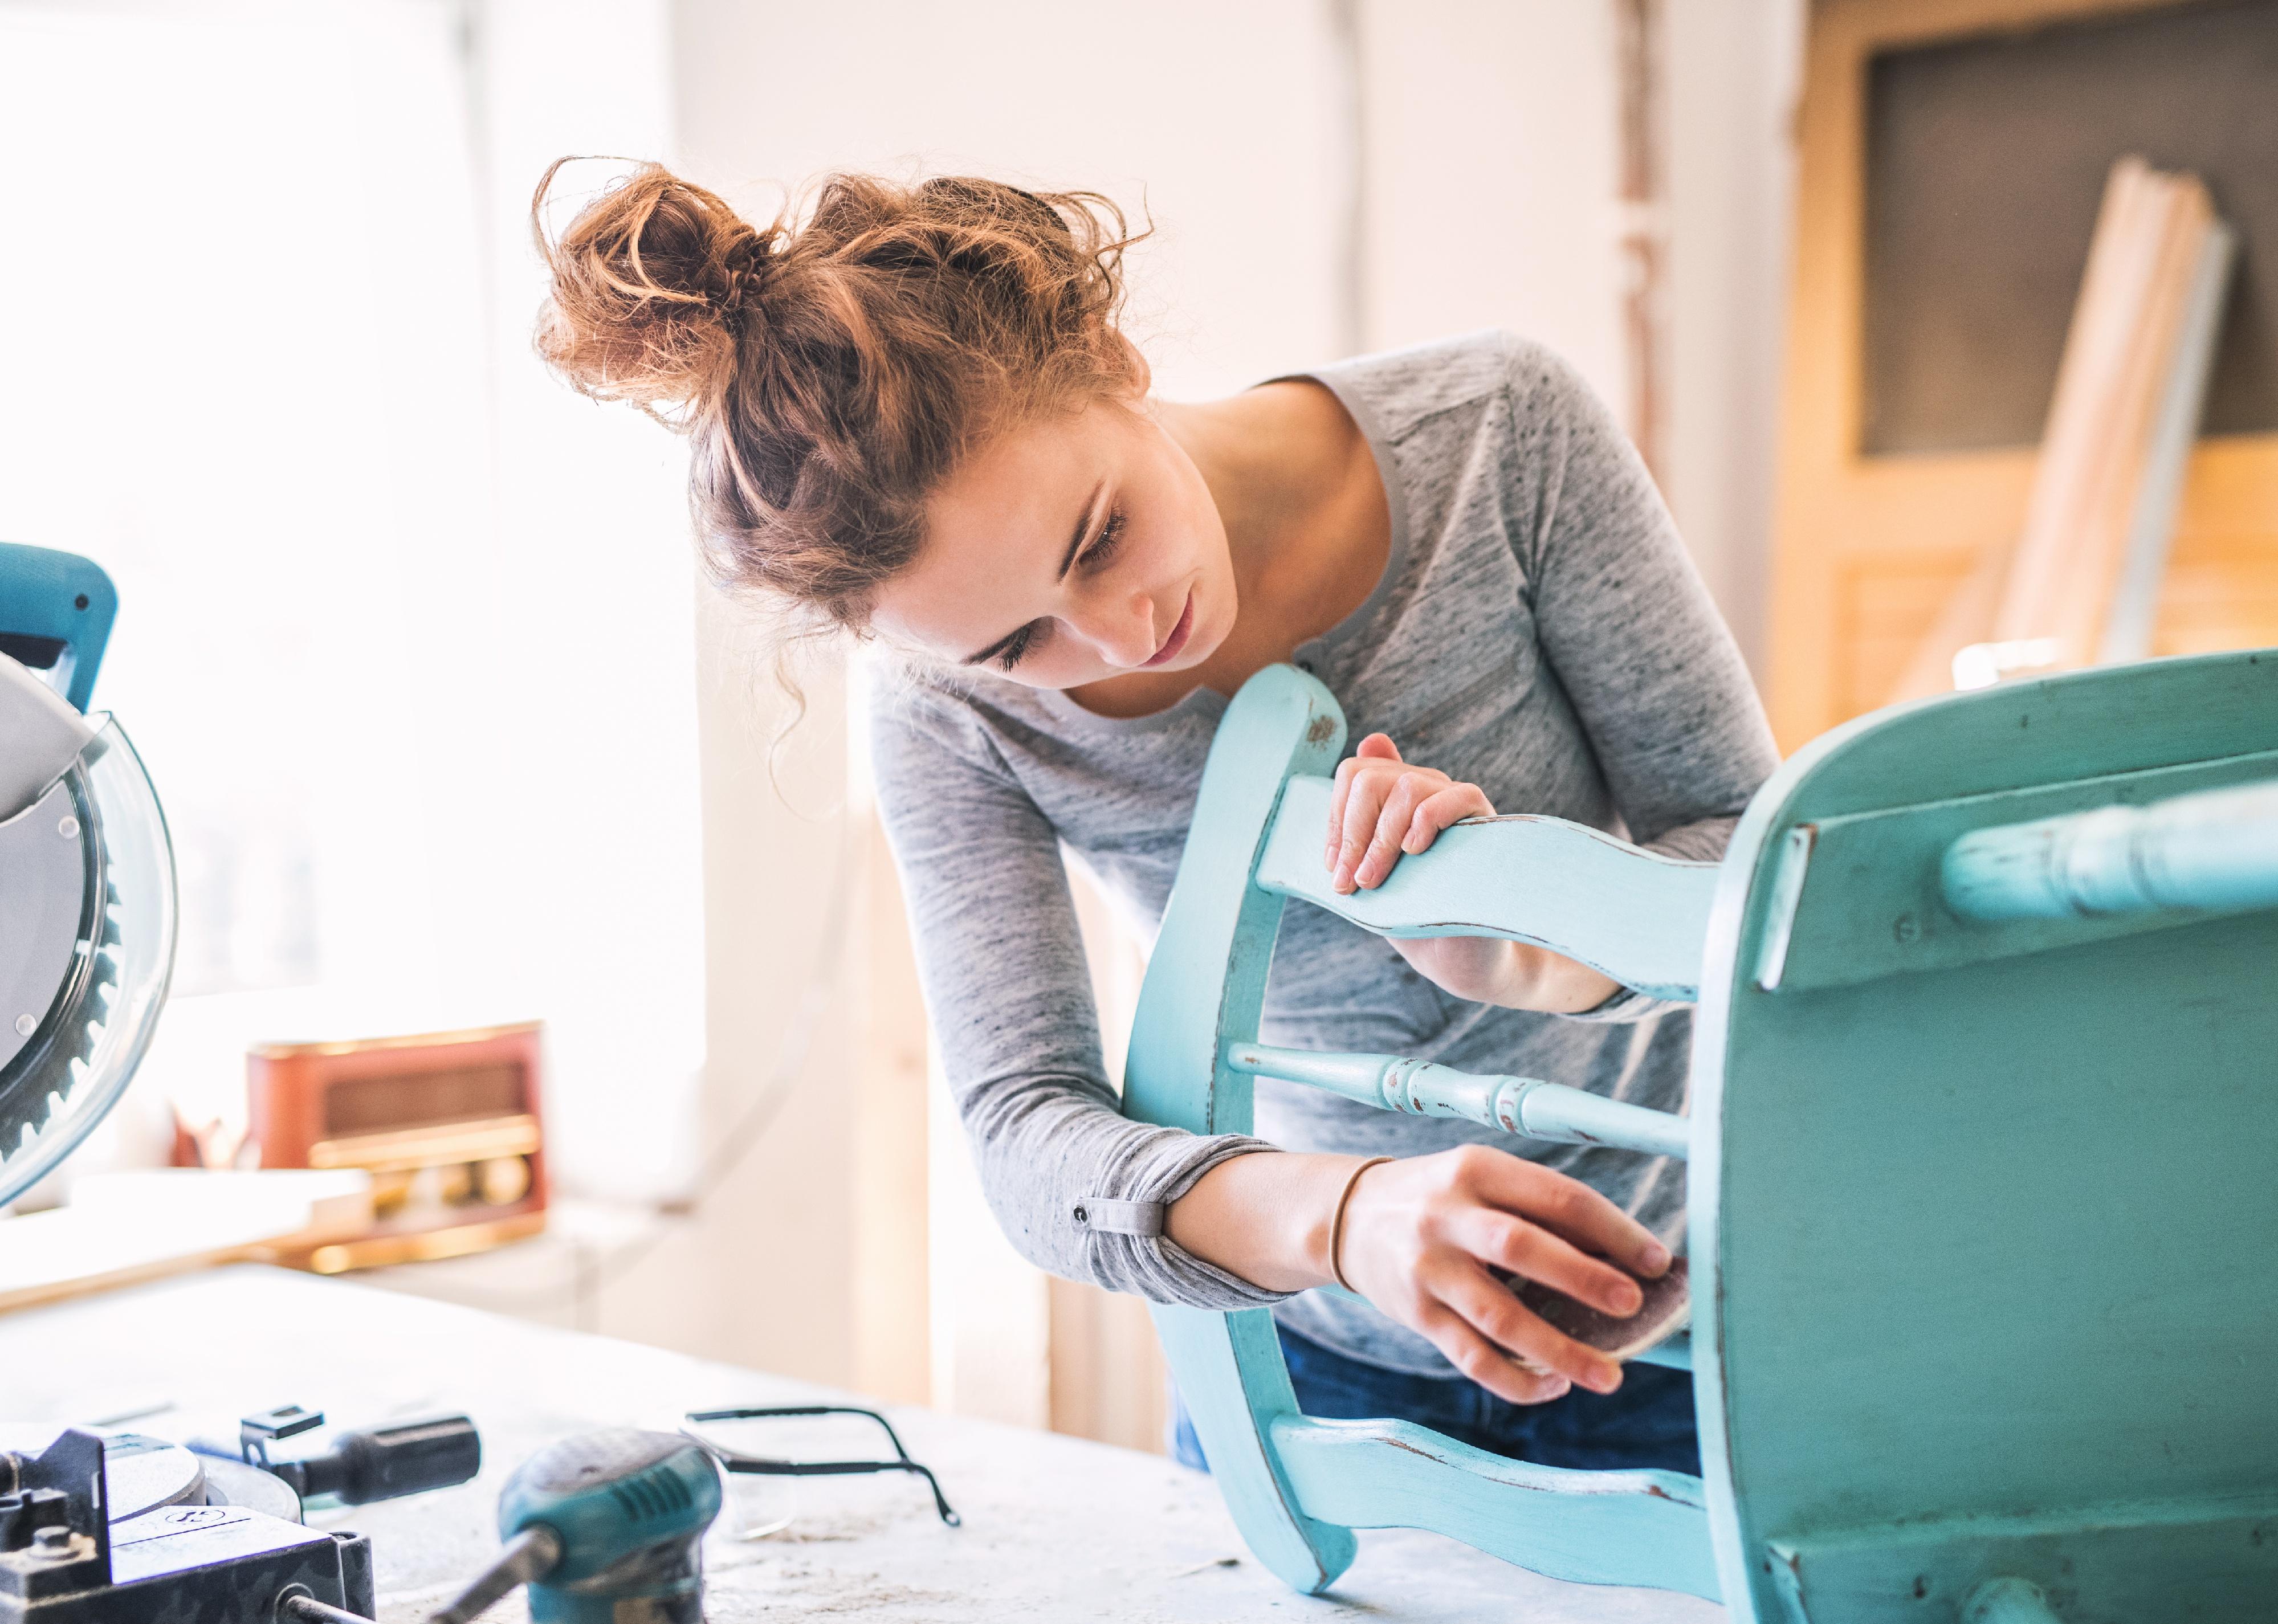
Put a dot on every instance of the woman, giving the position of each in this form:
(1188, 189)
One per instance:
(913, 417)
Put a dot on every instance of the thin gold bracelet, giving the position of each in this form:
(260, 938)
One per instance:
(1337, 1223)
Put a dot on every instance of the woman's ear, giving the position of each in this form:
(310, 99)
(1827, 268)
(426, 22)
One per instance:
(1143, 376)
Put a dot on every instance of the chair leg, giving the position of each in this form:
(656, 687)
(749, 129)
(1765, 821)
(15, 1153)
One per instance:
(1230, 1375)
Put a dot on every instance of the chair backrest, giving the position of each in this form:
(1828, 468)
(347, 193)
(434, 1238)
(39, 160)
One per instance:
(1298, 1485)
(1978, 1193)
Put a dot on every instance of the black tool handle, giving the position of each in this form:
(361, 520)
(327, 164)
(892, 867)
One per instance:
(531, 1554)
(381, 1463)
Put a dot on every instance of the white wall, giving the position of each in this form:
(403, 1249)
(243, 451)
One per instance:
(1734, 73)
(1211, 117)
(595, 714)
(1491, 149)
(1493, 152)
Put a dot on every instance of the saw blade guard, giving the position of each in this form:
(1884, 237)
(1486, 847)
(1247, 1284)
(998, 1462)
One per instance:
(89, 948)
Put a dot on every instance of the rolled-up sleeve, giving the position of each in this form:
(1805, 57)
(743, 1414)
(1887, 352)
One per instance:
(1080, 1190)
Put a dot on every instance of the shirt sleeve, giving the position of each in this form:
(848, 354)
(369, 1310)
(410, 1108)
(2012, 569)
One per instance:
(1626, 624)
(1080, 1190)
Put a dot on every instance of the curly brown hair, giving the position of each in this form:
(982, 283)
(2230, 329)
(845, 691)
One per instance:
(830, 374)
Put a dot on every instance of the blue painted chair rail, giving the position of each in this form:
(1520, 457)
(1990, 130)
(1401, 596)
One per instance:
(1980, 1154)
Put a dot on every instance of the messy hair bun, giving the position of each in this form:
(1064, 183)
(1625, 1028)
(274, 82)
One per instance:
(831, 373)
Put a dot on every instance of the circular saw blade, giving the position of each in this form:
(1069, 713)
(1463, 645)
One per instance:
(84, 1042)
(56, 977)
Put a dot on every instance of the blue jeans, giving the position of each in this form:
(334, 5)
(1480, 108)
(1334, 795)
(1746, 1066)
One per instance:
(1647, 1422)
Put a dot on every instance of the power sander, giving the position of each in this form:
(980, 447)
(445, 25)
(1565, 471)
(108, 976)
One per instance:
(605, 1528)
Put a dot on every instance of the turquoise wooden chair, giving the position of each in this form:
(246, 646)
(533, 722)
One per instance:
(1984, 1156)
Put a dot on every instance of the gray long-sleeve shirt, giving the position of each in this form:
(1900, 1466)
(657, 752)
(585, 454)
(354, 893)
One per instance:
(1538, 631)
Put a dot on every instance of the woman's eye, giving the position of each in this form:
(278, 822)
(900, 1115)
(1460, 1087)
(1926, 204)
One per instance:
(1016, 648)
(1102, 553)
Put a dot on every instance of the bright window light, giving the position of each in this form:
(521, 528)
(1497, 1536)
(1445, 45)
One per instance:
(426, 748)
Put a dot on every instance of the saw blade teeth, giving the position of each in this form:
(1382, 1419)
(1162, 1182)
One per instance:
(33, 1102)
(26, 1121)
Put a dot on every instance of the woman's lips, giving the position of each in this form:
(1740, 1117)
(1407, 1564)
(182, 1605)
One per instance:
(1177, 640)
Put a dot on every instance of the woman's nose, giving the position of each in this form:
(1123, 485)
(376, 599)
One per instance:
(1121, 629)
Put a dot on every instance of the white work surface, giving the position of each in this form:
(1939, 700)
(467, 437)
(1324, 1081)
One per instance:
(1054, 1528)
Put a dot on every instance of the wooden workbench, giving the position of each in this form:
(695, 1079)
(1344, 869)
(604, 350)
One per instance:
(1055, 1529)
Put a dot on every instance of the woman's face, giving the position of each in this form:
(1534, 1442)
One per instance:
(1068, 550)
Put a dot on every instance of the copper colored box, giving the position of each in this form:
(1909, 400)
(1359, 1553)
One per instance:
(447, 1124)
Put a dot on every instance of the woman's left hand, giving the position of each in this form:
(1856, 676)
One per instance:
(1384, 807)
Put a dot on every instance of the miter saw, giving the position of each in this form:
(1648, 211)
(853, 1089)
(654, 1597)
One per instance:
(122, 1529)
(87, 876)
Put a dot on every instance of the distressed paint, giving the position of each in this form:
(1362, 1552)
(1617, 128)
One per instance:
(2128, 1563)
(1206, 982)
(1787, 896)
(1973, 1225)
(1974, 1244)
(2213, 851)
(1198, 1009)
(2008, 1601)
(1634, 915)
(1873, 901)
(1594, 1527)
(1520, 1105)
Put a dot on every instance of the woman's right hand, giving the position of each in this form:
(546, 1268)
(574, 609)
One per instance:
(1421, 1234)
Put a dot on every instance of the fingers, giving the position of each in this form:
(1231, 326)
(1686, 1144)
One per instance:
(1524, 1248)
(1500, 1317)
(1571, 1209)
(1364, 796)
(1375, 747)
(1408, 792)
(1436, 811)
(1381, 807)
(1499, 1372)
(1426, 1239)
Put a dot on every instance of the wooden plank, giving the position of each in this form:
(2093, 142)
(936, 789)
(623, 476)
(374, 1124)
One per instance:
(2070, 556)
(2078, 445)
(126, 1228)
(1846, 521)
(2120, 427)
(2127, 631)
